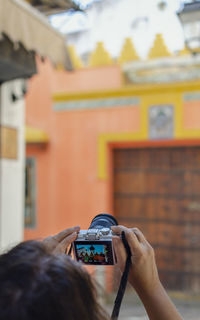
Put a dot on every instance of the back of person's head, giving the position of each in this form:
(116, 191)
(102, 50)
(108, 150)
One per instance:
(35, 284)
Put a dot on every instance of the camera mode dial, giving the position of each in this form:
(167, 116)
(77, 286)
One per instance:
(105, 231)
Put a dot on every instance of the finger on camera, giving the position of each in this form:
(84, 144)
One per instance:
(139, 235)
(63, 234)
(131, 238)
(119, 250)
(118, 229)
(141, 238)
(133, 241)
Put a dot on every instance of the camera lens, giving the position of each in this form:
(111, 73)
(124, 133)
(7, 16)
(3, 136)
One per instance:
(103, 220)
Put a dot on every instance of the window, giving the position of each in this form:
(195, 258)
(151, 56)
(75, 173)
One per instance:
(30, 194)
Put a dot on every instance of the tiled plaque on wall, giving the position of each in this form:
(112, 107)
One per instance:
(161, 122)
(8, 143)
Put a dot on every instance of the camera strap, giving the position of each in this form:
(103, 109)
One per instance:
(69, 253)
(123, 282)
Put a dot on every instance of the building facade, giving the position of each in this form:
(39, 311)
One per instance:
(112, 141)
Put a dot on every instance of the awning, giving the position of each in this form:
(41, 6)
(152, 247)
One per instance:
(49, 7)
(23, 24)
(35, 136)
(15, 61)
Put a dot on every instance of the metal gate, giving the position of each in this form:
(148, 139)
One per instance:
(158, 191)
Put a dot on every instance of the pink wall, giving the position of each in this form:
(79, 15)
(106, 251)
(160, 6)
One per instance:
(191, 115)
(87, 79)
(68, 190)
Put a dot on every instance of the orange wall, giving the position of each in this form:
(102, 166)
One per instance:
(87, 79)
(68, 190)
(191, 115)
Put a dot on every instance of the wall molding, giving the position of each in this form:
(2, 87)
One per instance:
(96, 103)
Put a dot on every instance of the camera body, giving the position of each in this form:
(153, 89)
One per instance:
(94, 246)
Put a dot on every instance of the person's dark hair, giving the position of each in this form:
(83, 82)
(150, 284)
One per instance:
(35, 284)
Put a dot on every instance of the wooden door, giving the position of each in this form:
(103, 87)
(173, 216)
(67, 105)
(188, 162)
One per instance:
(158, 191)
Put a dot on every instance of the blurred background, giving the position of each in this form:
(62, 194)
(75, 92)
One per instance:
(100, 112)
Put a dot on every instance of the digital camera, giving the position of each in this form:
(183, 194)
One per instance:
(94, 246)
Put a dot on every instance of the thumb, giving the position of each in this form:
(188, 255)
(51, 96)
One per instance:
(62, 246)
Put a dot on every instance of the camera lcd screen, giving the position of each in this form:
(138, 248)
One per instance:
(94, 252)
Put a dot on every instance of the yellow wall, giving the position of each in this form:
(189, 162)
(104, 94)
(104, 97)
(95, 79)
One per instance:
(186, 113)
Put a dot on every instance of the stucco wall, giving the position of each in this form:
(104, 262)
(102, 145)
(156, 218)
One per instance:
(68, 190)
(12, 170)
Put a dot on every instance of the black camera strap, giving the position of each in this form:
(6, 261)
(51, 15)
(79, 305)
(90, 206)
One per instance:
(69, 253)
(124, 278)
(123, 282)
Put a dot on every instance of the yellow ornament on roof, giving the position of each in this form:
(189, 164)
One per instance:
(76, 61)
(184, 51)
(128, 52)
(100, 57)
(159, 48)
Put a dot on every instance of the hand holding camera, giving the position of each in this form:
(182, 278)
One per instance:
(59, 242)
(143, 274)
(94, 246)
(102, 244)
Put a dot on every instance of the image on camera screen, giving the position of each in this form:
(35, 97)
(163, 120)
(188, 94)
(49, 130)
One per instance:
(99, 254)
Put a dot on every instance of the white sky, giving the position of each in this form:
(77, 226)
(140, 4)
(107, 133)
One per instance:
(117, 23)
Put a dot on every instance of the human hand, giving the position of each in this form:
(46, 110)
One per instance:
(60, 242)
(143, 274)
